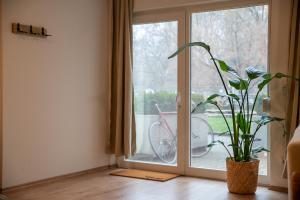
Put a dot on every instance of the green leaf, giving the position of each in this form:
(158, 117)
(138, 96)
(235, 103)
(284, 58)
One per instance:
(264, 83)
(224, 133)
(258, 150)
(265, 119)
(239, 84)
(226, 68)
(254, 73)
(247, 136)
(199, 105)
(243, 124)
(211, 144)
(213, 96)
(200, 44)
(234, 96)
(281, 75)
(215, 143)
(235, 83)
(244, 84)
(268, 78)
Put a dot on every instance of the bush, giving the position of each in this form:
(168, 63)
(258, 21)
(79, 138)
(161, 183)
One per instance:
(144, 103)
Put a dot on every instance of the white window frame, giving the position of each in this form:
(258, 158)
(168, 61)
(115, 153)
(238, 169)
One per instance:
(279, 26)
(156, 17)
(201, 172)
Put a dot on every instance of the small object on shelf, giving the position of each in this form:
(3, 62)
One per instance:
(29, 30)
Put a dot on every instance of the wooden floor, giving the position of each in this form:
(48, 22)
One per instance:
(101, 185)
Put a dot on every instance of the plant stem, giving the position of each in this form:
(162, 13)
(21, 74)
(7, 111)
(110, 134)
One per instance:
(228, 127)
(248, 108)
(254, 135)
(250, 121)
(235, 134)
(226, 150)
(248, 146)
(223, 82)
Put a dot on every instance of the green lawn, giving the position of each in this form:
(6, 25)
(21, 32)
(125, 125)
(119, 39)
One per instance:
(218, 124)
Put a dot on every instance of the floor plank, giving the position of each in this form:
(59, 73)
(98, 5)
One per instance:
(100, 185)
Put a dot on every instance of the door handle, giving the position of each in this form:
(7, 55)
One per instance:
(266, 104)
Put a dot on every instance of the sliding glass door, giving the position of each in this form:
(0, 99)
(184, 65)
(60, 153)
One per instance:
(238, 36)
(168, 136)
(155, 91)
(157, 87)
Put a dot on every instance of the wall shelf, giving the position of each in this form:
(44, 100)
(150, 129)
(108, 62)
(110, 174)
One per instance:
(29, 30)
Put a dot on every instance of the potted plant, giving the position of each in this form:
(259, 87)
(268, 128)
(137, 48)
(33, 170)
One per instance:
(242, 165)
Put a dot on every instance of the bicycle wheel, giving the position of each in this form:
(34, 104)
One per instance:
(163, 143)
(201, 135)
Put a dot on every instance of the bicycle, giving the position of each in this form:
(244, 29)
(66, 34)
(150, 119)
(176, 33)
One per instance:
(163, 140)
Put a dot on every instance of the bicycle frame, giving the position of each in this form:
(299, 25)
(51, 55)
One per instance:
(162, 117)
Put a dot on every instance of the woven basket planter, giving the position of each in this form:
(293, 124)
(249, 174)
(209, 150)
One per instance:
(242, 176)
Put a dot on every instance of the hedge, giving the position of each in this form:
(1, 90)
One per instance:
(145, 103)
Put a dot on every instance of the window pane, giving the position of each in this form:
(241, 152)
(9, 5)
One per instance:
(240, 38)
(155, 91)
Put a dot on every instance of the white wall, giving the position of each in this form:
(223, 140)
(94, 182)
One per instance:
(54, 89)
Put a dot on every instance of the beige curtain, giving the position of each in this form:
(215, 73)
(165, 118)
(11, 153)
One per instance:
(121, 140)
(293, 106)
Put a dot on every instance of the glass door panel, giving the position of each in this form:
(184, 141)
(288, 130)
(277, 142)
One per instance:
(240, 38)
(155, 92)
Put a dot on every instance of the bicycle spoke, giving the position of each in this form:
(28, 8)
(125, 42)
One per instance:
(163, 142)
(201, 135)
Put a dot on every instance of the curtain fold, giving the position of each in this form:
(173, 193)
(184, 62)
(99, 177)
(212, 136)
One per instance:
(121, 140)
(293, 105)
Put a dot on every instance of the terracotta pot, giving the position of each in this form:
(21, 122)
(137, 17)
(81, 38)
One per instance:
(242, 176)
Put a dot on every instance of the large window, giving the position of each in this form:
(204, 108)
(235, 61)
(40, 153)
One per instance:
(155, 91)
(239, 37)
(168, 136)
